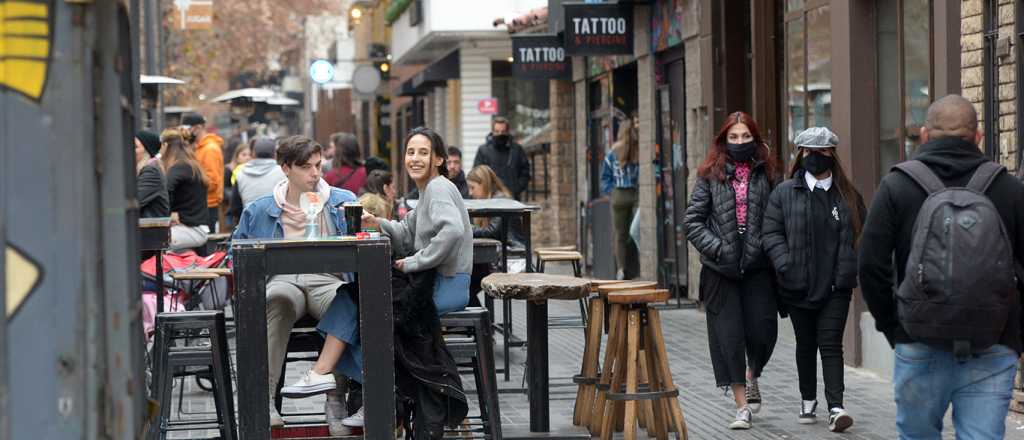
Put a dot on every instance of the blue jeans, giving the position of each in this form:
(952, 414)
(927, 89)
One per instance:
(926, 380)
(342, 320)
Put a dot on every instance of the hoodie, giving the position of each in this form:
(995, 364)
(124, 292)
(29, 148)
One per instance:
(257, 179)
(211, 159)
(509, 162)
(890, 224)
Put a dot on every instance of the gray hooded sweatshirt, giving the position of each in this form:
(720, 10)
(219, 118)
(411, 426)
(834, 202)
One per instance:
(257, 179)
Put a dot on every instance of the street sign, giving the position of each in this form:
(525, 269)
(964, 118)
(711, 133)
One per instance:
(539, 57)
(487, 106)
(598, 29)
(193, 14)
(366, 79)
(321, 71)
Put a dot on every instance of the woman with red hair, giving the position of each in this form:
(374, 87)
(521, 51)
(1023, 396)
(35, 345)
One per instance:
(723, 222)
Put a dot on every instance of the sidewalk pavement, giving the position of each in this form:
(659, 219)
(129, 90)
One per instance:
(706, 408)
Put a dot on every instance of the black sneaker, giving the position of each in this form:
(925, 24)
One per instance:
(753, 394)
(743, 419)
(807, 412)
(839, 420)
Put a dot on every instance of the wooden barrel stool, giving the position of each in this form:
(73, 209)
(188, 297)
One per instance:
(636, 378)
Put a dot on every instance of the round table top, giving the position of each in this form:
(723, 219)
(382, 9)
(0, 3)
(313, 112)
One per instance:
(535, 286)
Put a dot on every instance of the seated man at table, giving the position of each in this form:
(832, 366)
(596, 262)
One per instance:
(289, 297)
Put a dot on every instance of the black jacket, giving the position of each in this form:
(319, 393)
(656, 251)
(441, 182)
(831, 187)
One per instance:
(787, 237)
(430, 392)
(891, 219)
(152, 192)
(460, 183)
(187, 193)
(711, 223)
(508, 162)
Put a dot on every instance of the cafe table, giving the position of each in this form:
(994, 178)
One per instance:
(255, 261)
(155, 236)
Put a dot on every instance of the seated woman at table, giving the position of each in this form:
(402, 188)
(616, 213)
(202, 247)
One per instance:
(437, 235)
(485, 184)
(150, 185)
(186, 189)
(379, 196)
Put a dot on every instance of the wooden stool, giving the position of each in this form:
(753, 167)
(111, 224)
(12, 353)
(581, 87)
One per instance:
(636, 371)
(588, 397)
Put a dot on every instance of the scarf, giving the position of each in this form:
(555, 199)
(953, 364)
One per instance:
(293, 220)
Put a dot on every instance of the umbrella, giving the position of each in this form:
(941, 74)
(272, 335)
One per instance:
(156, 79)
(280, 100)
(253, 94)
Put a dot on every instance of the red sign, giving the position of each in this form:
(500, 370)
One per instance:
(487, 106)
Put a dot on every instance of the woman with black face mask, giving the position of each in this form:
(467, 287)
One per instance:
(811, 230)
(723, 222)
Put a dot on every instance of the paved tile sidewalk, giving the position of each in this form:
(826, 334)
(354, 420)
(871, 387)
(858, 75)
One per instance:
(707, 409)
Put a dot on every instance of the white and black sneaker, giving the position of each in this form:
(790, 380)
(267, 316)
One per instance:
(807, 412)
(743, 419)
(753, 394)
(839, 420)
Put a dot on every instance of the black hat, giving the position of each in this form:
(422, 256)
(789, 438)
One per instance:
(150, 141)
(191, 119)
(375, 163)
(263, 147)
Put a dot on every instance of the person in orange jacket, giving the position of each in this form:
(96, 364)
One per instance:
(210, 155)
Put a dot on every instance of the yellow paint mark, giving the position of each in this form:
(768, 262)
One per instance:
(21, 276)
(24, 46)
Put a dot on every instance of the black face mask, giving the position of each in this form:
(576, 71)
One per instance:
(501, 140)
(817, 163)
(741, 152)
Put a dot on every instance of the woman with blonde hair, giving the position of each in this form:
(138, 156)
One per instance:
(484, 183)
(620, 179)
(186, 189)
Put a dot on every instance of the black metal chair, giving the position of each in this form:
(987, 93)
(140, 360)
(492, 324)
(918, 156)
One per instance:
(167, 358)
(468, 338)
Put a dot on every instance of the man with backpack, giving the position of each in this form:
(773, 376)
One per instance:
(955, 222)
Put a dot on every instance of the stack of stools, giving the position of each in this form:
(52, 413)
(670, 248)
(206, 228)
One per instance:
(166, 358)
(468, 337)
(589, 376)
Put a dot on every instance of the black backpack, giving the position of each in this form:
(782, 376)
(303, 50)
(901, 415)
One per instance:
(960, 280)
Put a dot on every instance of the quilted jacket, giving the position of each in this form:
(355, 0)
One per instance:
(711, 223)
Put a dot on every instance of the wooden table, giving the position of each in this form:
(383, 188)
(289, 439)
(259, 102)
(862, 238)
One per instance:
(255, 261)
(536, 289)
(155, 235)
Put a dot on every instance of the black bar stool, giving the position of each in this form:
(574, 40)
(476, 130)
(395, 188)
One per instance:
(167, 358)
(468, 336)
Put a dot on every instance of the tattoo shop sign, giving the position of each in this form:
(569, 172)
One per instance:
(598, 29)
(539, 57)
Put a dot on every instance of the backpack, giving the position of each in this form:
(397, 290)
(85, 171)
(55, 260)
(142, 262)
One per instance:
(960, 280)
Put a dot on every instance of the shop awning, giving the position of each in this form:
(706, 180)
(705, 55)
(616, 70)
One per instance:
(436, 74)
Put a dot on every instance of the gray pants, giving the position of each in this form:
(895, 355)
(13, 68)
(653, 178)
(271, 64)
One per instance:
(290, 297)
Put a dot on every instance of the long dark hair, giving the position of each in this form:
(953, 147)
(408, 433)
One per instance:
(851, 197)
(714, 164)
(376, 181)
(437, 147)
(347, 151)
(176, 150)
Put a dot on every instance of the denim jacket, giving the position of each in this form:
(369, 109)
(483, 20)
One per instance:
(262, 217)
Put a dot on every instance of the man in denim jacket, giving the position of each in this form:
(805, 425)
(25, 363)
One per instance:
(289, 297)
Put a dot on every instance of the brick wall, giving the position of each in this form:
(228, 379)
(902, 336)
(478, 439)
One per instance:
(972, 75)
(555, 224)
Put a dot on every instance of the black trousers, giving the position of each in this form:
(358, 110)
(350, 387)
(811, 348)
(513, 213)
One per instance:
(742, 323)
(214, 216)
(821, 330)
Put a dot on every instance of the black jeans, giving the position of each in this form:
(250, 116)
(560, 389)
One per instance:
(821, 330)
(742, 323)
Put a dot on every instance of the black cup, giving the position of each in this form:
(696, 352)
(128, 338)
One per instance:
(353, 217)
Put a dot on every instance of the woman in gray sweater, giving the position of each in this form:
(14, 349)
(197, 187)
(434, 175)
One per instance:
(436, 235)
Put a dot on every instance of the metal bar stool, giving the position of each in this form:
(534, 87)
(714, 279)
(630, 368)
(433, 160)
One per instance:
(468, 336)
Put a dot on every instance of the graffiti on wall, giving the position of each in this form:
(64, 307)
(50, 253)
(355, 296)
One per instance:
(25, 44)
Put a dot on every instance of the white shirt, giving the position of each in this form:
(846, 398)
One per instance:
(813, 182)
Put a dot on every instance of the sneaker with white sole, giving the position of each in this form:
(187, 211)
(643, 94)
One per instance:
(743, 419)
(334, 410)
(309, 385)
(839, 420)
(807, 412)
(355, 420)
(753, 395)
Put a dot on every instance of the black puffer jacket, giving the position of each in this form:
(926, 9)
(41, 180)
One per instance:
(711, 223)
(787, 237)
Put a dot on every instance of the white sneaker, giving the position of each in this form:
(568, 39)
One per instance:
(839, 420)
(743, 419)
(355, 420)
(310, 384)
(334, 409)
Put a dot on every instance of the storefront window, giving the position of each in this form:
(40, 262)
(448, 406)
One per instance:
(523, 102)
(904, 77)
(808, 71)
